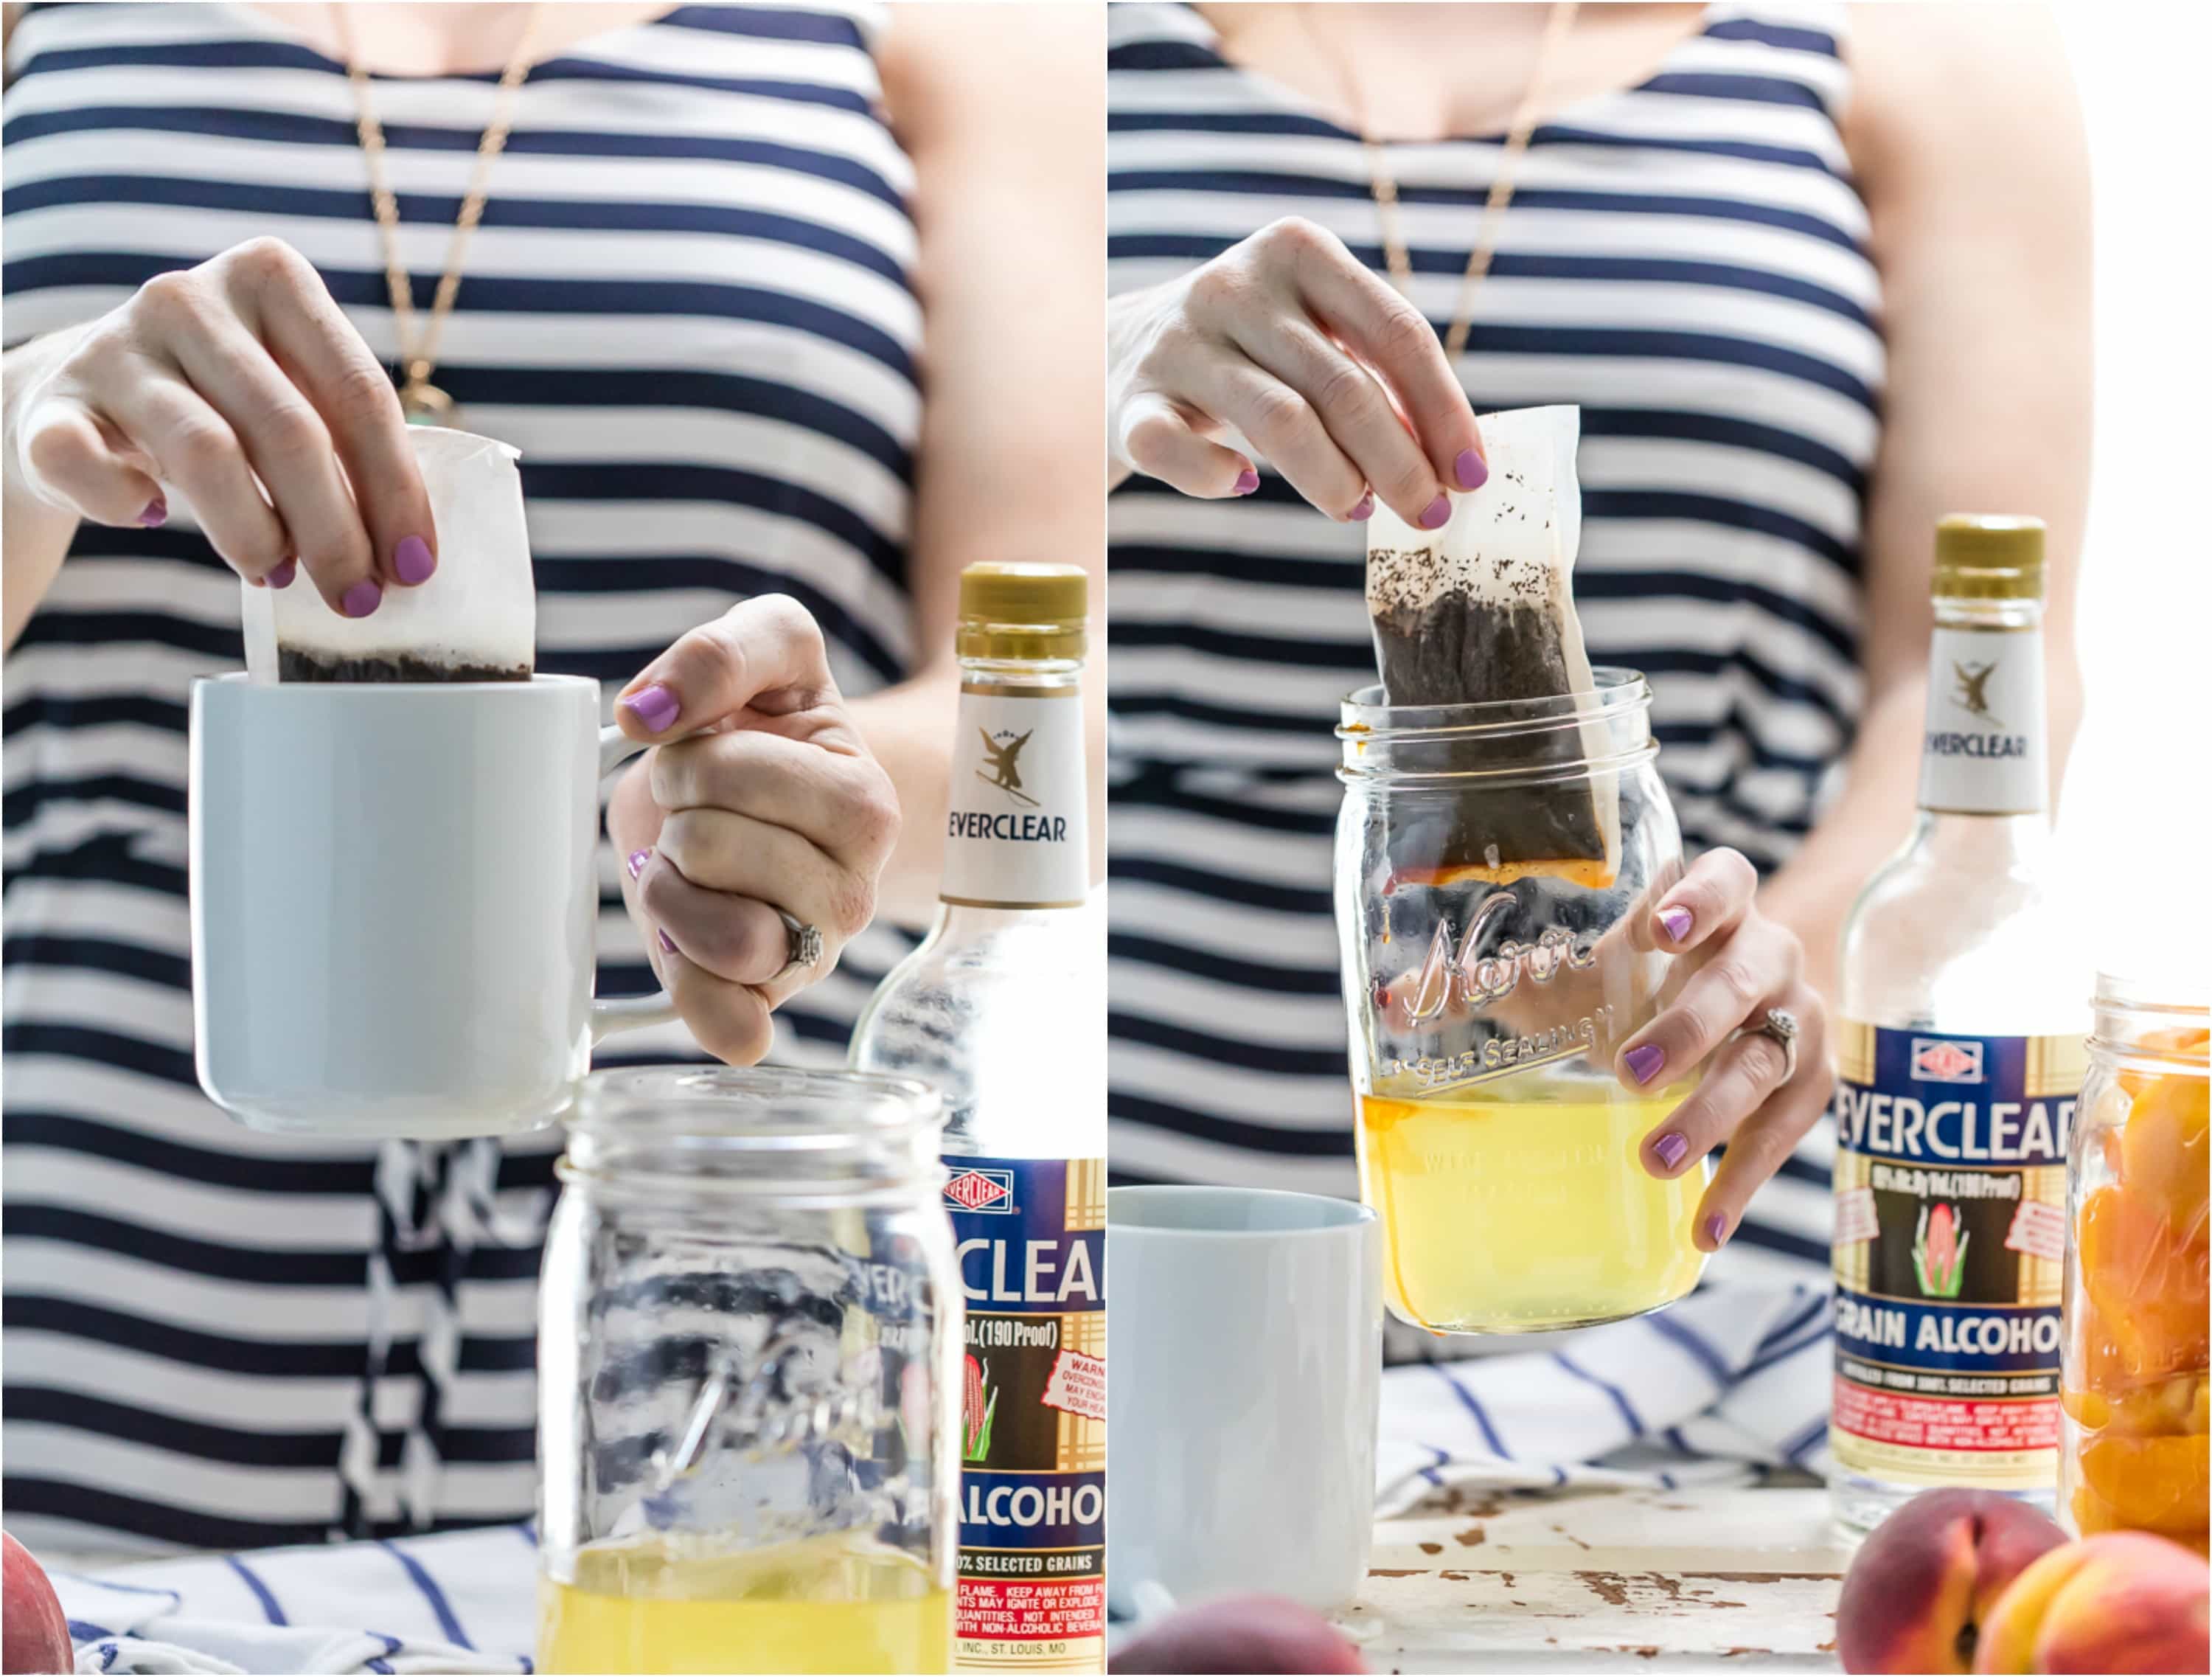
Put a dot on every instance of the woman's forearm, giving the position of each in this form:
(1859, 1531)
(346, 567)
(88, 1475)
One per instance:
(38, 531)
(1814, 892)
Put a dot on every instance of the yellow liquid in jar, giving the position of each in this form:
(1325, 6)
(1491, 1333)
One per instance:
(1507, 1217)
(828, 1604)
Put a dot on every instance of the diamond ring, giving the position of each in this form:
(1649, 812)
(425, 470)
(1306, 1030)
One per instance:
(1782, 1025)
(803, 943)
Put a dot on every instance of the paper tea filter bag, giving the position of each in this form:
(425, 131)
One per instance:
(1483, 610)
(476, 619)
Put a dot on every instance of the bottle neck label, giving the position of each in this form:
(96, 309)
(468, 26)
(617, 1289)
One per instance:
(1015, 837)
(1984, 750)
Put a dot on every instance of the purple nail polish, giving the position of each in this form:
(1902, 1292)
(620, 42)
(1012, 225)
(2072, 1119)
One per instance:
(1670, 1149)
(362, 598)
(1675, 923)
(1436, 514)
(654, 706)
(666, 947)
(638, 858)
(283, 575)
(156, 513)
(1247, 481)
(412, 562)
(1365, 510)
(1644, 1060)
(1716, 1229)
(1471, 470)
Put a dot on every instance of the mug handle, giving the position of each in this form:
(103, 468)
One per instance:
(625, 1013)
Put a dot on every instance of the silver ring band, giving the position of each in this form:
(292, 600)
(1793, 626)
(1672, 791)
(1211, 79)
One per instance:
(804, 944)
(1781, 1024)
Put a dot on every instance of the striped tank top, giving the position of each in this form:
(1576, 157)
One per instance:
(689, 307)
(1686, 260)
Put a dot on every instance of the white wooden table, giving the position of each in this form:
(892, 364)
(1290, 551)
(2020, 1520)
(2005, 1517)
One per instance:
(1476, 1581)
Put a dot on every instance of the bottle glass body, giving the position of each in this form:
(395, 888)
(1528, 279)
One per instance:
(1953, 949)
(1002, 1009)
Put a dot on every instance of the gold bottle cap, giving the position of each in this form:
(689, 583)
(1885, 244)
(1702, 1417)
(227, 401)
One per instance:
(1018, 612)
(1985, 556)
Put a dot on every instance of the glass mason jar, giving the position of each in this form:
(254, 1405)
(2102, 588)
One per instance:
(2133, 1371)
(749, 1378)
(1496, 868)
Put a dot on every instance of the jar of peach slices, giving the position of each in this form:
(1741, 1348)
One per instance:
(2132, 1456)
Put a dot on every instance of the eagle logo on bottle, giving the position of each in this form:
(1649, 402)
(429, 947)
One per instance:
(1973, 694)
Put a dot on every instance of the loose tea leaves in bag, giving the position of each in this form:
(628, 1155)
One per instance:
(1482, 611)
(476, 619)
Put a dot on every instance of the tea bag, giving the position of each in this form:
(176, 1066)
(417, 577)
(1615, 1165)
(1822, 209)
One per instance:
(1481, 610)
(476, 619)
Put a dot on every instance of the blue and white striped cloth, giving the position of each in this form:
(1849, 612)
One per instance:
(459, 1601)
(1725, 1388)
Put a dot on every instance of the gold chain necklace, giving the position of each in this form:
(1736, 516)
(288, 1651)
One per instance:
(421, 401)
(1385, 186)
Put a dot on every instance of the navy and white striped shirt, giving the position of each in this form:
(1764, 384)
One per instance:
(689, 307)
(1685, 259)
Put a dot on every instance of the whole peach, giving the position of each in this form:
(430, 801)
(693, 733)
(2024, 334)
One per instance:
(2122, 1602)
(1925, 1579)
(33, 1634)
(1238, 1633)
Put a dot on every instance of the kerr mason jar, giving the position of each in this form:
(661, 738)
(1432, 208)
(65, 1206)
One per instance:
(1496, 868)
(2134, 1361)
(749, 1378)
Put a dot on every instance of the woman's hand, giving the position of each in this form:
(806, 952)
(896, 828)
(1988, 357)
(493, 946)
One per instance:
(766, 799)
(1287, 339)
(1736, 963)
(210, 378)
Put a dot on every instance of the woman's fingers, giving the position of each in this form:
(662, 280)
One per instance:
(1710, 899)
(1743, 1073)
(764, 654)
(730, 1021)
(278, 293)
(843, 805)
(1161, 438)
(1356, 414)
(1767, 1138)
(193, 447)
(723, 851)
(1757, 962)
(72, 462)
(290, 450)
(1286, 427)
(739, 939)
(1360, 308)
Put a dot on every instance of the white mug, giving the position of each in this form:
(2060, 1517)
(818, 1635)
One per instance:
(393, 893)
(1240, 1415)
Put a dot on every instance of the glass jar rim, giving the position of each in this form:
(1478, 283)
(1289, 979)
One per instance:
(758, 1109)
(1365, 711)
(2129, 1011)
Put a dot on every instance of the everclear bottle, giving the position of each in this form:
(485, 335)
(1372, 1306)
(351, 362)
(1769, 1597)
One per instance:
(1960, 1057)
(1003, 1009)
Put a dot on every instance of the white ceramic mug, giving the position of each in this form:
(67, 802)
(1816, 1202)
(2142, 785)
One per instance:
(393, 892)
(1241, 1412)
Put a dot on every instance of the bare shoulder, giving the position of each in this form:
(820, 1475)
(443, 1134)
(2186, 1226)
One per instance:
(1964, 78)
(933, 57)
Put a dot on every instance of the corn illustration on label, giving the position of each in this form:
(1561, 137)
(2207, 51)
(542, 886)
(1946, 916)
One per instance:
(1949, 1254)
(1032, 1237)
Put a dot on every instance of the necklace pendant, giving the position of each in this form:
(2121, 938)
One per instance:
(421, 403)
